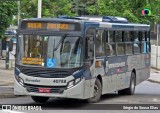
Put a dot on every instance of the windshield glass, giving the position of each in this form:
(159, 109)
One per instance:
(50, 51)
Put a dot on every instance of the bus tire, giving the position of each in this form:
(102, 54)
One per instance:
(131, 89)
(97, 92)
(39, 99)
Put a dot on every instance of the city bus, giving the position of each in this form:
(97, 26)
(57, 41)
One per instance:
(80, 57)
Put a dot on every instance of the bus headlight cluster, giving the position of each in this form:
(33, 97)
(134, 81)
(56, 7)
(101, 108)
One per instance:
(73, 82)
(18, 78)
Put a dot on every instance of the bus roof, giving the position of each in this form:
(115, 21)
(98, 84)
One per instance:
(108, 22)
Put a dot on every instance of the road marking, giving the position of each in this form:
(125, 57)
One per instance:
(155, 100)
(6, 86)
(10, 111)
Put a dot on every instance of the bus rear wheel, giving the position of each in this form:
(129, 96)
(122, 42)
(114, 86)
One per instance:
(131, 89)
(40, 99)
(97, 92)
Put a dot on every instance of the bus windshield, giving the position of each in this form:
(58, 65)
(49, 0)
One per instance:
(50, 51)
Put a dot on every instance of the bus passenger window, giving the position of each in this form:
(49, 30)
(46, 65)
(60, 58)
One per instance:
(100, 39)
(120, 49)
(148, 41)
(110, 49)
(127, 36)
(136, 42)
(129, 48)
(110, 43)
(118, 36)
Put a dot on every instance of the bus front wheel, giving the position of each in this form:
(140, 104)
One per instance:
(96, 93)
(40, 99)
(131, 89)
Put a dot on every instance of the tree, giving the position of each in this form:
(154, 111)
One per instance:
(50, 8)
(7, 10)
(130, 9)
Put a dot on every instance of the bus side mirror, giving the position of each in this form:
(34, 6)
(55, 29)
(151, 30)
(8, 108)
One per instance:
(10, 45)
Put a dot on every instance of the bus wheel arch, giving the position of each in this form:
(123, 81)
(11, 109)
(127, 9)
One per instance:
(134, 71)
(97, 92)
(100, 79)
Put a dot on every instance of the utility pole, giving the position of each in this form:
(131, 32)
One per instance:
(157, 55)
(18, 17)
(157, 48)
(39, 8)
(7, 54)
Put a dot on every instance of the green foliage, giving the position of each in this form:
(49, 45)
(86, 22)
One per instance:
(130, 9)
(7, 10)
(50, 8)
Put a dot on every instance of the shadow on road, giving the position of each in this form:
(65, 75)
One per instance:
(63, 103)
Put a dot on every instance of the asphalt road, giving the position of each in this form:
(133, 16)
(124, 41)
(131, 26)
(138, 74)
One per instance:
(146, 93)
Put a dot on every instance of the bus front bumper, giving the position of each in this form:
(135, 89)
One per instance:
(77, 91)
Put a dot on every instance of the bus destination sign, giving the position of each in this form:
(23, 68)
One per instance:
(58, 26)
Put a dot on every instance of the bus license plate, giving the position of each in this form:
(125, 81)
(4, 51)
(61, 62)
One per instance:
(44, 90)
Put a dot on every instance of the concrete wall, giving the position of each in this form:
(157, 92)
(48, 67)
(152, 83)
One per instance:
(154, 58)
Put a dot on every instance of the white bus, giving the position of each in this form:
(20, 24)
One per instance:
(81, 57)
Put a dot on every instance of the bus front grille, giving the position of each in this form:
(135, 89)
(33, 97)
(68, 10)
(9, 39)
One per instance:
(46, 72)
(54, 89)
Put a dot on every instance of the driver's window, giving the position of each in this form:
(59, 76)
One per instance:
(90, 43)
(89, 47)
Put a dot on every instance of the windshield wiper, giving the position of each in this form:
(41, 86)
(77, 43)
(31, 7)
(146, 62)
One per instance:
(63, 37)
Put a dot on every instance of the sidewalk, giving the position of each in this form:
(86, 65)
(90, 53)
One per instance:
(7, 80)
(154, 76)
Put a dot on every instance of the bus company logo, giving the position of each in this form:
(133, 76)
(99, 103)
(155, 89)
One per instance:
(30, 80)
(59, 81)
(115, 65)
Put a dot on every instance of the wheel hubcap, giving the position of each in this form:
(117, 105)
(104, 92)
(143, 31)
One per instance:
(132, 85)
(96, 90)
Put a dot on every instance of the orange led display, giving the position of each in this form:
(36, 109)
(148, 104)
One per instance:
(38, 61)
(57, 26)
(34, 25)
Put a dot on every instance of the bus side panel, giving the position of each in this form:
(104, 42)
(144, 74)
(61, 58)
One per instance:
(146, 66)
(90, 78)
(107, 84)
(141, 65)
(87, 89)
(121, 81)
(127, 79)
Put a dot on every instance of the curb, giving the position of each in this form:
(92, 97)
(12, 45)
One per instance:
(7, 95)
(154, 81)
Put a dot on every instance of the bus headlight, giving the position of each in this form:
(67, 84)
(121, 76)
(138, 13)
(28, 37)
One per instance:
(19, 80)
(73, 82)
(77, 80)
(70, 84)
